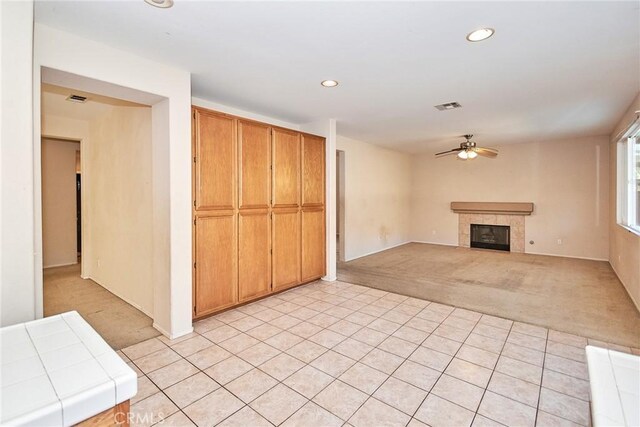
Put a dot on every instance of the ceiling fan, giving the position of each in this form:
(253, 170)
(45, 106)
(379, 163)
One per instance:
(469, 151)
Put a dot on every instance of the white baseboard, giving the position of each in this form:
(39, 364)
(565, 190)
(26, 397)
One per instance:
(625, 287)
(168, 335)
(375, 252)
(434, 243)
(64, 264)
(329, 278)
(566, 256)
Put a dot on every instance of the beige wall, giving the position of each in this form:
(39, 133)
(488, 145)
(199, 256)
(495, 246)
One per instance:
(59, 202)
(624, 245)
(566, 180)
(377, 197)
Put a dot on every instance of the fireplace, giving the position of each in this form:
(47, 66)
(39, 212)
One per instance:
(488, 236)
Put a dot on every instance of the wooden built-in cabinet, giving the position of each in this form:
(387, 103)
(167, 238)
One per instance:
(258, 210)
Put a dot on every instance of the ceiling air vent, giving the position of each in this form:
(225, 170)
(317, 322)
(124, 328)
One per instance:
(77, 98)
(448, 106)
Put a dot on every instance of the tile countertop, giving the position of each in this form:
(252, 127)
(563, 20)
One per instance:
(58, 371)
(614, 378)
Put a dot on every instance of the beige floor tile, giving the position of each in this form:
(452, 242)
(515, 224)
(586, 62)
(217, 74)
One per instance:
(152, 410)
(363, 377)
(353, 349)
(305, 329)
(369, 336)
(264, 331)
(303, 313)
(351, 305)
(179, 419)
(327, 338)
(416, 302)
(145, 389)
(423, 325)
(143, 348)
(174, 341)
(251, 385)
(324, 320)
(400, 395)
(191, 389)
(340, 399)
(408, 309)
(514, 388)
(340, 312)
(374, 310)
(281, 366)
(506, 411)
(311, 415)
(485, 343)
(228, 370)
(157, 360)
(469, 372)
(491, 331)
(480, 421)
(566, 366)
(374, 412)
(245, 417)
(548, 420)
(173, 373)
(527, 329)
(497, 322)
(396, 316)
(253, 308)
(415, 423)
(213, 408)
(191, 345)
(567, 351)
(451, 333)
(138, 372)
(566, 384)
(221, 334)
(564, 406)
(333, 363)
(308, 381)
(306, 351)
(361, 319)
(441, 308)
(344, 327)
(284, 322)
(457, 322)
(398, 346)
(382, 361)
(238, 343)
(258, 354)
(515, 368)
(432, 315)
(278, 404)
(437, 412)
(246, 323)
(284, 340)
(523, 354)
(528, 341)
(564, 338)
(230, 316)
(478, 356)
(416, 374)
(410, 334)
(431, 358)
(441, 344)
(466, 314)
(208, 357)
(459, 392)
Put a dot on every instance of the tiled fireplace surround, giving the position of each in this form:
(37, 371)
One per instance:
(516, 222)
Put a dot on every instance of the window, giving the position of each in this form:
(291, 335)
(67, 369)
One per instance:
(629, 180)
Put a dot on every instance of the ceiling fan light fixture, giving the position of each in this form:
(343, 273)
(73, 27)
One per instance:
(162, 4)
(463, 155)
(480, 34)
(472, 154)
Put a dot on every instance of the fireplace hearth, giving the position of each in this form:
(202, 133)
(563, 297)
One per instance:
(488, 236)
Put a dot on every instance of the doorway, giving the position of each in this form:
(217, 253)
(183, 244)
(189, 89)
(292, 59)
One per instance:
(340, 208)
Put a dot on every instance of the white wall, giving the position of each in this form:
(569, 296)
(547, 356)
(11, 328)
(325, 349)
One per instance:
(16, 165)
(377, 198)
(171, 157)
(566, 180)
(59, 226)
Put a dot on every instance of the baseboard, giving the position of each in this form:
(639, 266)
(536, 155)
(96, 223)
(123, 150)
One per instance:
(168, 335)
(434, 243)
(375, 252)
(66, 264)
(567, 256)
(329, 278)
(624, 285)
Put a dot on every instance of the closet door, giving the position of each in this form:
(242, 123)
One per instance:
(286, 168)
(214, 157)
(286, 248)
(254, 223)
(216, 268)
(313, 208)
(313, 167)
(313, 244)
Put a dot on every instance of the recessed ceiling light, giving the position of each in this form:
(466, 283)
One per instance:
(481, 34)
(164, 4)
(329, 83)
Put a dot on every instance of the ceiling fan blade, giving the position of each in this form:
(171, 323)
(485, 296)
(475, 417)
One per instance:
(445, 153)
(486, 152)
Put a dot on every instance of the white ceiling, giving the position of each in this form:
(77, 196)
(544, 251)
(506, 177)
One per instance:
(552, 70)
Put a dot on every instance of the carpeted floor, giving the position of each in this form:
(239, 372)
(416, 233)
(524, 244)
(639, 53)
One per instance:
(571, 295)
(119, 323)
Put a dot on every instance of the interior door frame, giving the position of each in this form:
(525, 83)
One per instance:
(340, 202)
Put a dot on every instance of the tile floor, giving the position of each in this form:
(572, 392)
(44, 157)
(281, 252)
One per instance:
(328, 354)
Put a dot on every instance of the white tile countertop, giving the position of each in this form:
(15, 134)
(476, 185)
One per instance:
(58, 371)
(615, 387)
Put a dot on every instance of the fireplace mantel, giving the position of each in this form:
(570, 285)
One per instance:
(498, 208)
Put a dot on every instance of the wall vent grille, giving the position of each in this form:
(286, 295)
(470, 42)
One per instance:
(77, 98)
(448, 106)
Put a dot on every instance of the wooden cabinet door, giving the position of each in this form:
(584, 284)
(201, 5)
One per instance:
(286, 248)
(254, 257)
(313, 244)
(215, 165)
(313, 170)
(286, 168)
(254, 141)
(216, 269)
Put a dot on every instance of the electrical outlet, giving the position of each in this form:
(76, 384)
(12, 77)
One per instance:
(433, 232)
(559, 241)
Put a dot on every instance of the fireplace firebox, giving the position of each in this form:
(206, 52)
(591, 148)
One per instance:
(490, 237)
